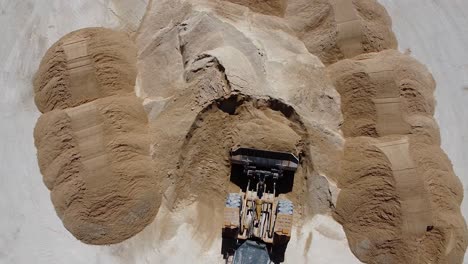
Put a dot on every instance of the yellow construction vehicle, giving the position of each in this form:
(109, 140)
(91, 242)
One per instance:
(257, 224)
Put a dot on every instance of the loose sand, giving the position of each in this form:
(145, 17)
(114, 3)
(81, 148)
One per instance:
(272, 7)
(218, 74)
(385, 93)
(392, 205)
(83, 66)
(338, 29)
(92, 141)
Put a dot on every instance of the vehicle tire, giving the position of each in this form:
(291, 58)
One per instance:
(285, 207)
(234, 200)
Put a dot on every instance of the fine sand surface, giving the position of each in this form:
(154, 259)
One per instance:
(400, 199)
(137, 125)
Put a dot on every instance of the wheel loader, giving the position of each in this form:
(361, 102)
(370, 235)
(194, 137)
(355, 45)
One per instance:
(257, 223)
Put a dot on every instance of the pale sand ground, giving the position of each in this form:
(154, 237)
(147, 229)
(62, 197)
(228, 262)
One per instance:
(31, 231)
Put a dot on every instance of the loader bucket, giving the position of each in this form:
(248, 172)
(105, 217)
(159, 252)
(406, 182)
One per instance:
(266, 160)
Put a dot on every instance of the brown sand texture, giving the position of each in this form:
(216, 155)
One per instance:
(213, 75)
(92, 140)
(123, 163)
(272, 7)
(337, 29)
(400, 200)
(84, 66)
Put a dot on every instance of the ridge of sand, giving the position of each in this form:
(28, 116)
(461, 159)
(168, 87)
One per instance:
(216, 74)
(337, 29)
(415, 206)
(83, 66)
(388, 108)
(349, 31)
(92, 141)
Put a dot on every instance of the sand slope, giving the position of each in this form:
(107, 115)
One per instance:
(400, 199)
(92, 140)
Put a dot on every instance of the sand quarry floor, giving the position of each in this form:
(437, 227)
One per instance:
(33, 232)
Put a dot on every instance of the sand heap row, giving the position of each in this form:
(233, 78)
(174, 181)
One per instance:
(92, 140)
(337, 29)
(400, 199)
(386, 93)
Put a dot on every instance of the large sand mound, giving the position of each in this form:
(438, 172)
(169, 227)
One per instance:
(83, 66)
(92, 141)
(338, 29)
(100, 127)
(385, 93)
(400, 200)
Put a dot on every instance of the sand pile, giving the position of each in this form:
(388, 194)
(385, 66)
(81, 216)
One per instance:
(400, 200)
(92, 140)
(199, 126)
(204, 173)
(83, 66)
(205, 162)
(212, 84)
(273, 7)
(385, 93)
(338, 29)
(213, 57)
(214, 75)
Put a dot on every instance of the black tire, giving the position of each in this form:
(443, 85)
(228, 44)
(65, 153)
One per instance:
(228, 247)
(277, 253)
